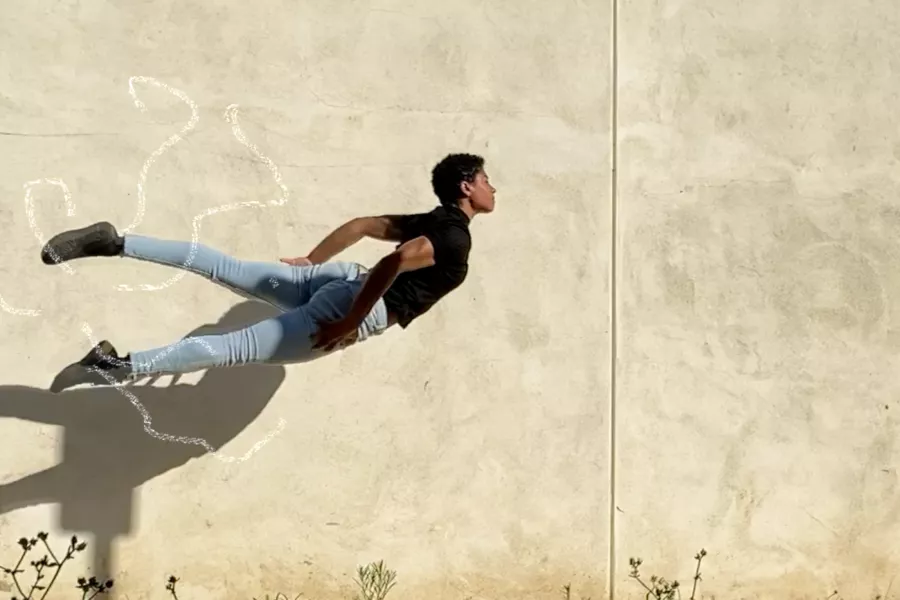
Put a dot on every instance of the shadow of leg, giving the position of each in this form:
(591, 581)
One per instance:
(107, 453)
(37, 488)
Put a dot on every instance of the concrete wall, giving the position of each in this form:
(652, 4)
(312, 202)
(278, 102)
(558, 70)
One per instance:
(469, 452)
(758, 313)
(755, 324)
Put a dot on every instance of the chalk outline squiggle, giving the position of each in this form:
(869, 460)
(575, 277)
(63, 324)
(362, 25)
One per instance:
(231, 117)
(166, 437)
(29, 212)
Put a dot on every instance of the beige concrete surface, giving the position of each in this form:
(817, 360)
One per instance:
(469, 452)
(758, 314)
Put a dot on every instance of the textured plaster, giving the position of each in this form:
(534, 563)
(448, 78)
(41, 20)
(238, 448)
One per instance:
(468, 452)
(758, 318)
(756, 333)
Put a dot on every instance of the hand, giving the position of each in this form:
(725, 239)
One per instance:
(335, 334)
(300, 261)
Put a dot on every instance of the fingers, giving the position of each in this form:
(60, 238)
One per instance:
(296, 262)
(328, 346)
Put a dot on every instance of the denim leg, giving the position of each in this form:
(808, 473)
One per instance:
(284, 286)
(284, 339)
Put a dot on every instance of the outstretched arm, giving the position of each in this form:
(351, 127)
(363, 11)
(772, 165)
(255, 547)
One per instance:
(385, 228)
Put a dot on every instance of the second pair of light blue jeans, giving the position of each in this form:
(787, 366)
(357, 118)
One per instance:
(306, 295)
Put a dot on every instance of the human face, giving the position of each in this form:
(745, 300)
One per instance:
(480, 193)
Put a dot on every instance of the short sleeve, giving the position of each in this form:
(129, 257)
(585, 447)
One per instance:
(451, 244)
(406, 225)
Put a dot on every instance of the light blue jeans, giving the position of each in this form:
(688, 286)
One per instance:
(307, 295)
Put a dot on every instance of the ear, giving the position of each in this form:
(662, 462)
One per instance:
(466, 188)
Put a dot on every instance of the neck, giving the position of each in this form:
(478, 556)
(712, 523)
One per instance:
(467, 208)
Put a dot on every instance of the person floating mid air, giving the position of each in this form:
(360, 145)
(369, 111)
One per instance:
(325, 305)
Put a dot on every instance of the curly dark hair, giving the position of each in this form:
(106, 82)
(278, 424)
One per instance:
(448, 174)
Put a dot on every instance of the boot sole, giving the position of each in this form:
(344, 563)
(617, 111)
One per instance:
(70, 245)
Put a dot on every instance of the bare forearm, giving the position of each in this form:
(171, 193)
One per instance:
(336, 242)
(377, 283)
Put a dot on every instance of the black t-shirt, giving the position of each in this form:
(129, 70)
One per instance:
(415, 292)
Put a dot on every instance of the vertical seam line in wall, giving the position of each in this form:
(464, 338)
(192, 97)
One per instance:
(613, 293)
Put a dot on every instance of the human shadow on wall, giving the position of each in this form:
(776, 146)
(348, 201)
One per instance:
(105, 452)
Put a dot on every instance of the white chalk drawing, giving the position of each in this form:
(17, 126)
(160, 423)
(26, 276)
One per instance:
(166, 437)
(174, 139)
(29, 212)
(231, 116)
(19, 312)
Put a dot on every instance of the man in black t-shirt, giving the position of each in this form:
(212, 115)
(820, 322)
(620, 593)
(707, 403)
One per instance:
(326, 305)
(432, 254)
